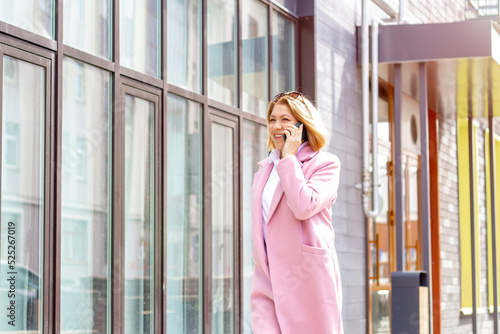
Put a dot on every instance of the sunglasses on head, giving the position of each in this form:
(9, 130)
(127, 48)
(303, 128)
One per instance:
(293, 95)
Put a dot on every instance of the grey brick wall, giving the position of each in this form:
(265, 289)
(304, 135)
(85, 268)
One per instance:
(339, 102)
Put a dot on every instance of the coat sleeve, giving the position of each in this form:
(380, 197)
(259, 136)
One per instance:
(308, 197)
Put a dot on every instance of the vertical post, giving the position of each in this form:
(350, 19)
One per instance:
(491, 139)
(398, 173)
(117, 211)
(424, 181)
(53, 323)
(472, 163)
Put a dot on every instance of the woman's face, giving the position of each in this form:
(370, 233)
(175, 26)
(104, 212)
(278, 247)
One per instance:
(280, 118)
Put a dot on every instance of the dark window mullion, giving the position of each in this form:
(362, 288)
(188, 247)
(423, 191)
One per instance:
(162, 174)
(237, 178)
(51, 144)
(53, 320)
(206, 320)
(270, 54)
(116, 323)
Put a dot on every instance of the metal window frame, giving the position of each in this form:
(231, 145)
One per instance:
(52, 52)
(45, 60)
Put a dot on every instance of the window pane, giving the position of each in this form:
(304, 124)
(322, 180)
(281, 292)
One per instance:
(283, 54)
(254, 150)
(87, 26)
(85, 216)
(139, 215)
(222, 55)
(184, 36)
(33, 15)
(255, 55)
(222, 229)
(140, 35)
(384, 123)
(184, 304)
(21, 252)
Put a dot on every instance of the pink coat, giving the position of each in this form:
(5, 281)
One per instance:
(296, 285)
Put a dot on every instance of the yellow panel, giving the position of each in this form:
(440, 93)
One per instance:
(488, 220)
(497, 206)
(464, 214)
(496, 150)
(495, 76)
(476, 214)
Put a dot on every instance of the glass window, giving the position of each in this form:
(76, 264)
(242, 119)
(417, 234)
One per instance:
(222, 229)
(87, 26)
(36, 16)
(139, 215)
(254, 150)
(184, 47)
(85, 215)
(283, 54)
(184, 201)
(255, 57)
(384, 122)
(222, 55)
(11, 138)
(22, 188)
(140, 35)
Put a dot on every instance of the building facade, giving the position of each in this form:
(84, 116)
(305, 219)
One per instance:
(131, 130)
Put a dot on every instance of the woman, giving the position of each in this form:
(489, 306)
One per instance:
(296, 283)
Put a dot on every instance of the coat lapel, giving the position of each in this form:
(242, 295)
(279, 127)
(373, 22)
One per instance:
(276, 199)
(260, 180)
(305, 154)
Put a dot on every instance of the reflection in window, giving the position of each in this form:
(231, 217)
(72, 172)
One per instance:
(85, 195)
(11, 138)
(384, 122)
(184, 304)
(81, 151)
(22, 211)
(255, 57)
(412, 221)
(36, 16)
(74, 241)
(254, 150)
(139, 215)
(87, 26)
(380, 254)
(222, 55)
(140, 35)
(283, 54)
(222, 229)
(184, 37)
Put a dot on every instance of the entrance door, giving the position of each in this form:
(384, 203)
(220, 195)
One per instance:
(381, 247)
(381, 233)
(411, 217)
(382, 230)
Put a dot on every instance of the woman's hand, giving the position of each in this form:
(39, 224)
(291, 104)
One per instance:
(293, 140)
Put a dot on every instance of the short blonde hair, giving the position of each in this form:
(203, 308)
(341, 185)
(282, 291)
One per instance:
(306, 113)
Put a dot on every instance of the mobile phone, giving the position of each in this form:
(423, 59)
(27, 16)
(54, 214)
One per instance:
(304, 136)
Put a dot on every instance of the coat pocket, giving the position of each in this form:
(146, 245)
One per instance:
(316, 250)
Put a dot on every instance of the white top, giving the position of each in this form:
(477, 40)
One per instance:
(271, 184)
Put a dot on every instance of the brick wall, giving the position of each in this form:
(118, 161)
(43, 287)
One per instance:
(339, 102)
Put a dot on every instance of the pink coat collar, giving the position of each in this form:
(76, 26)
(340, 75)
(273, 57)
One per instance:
(305, 154)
